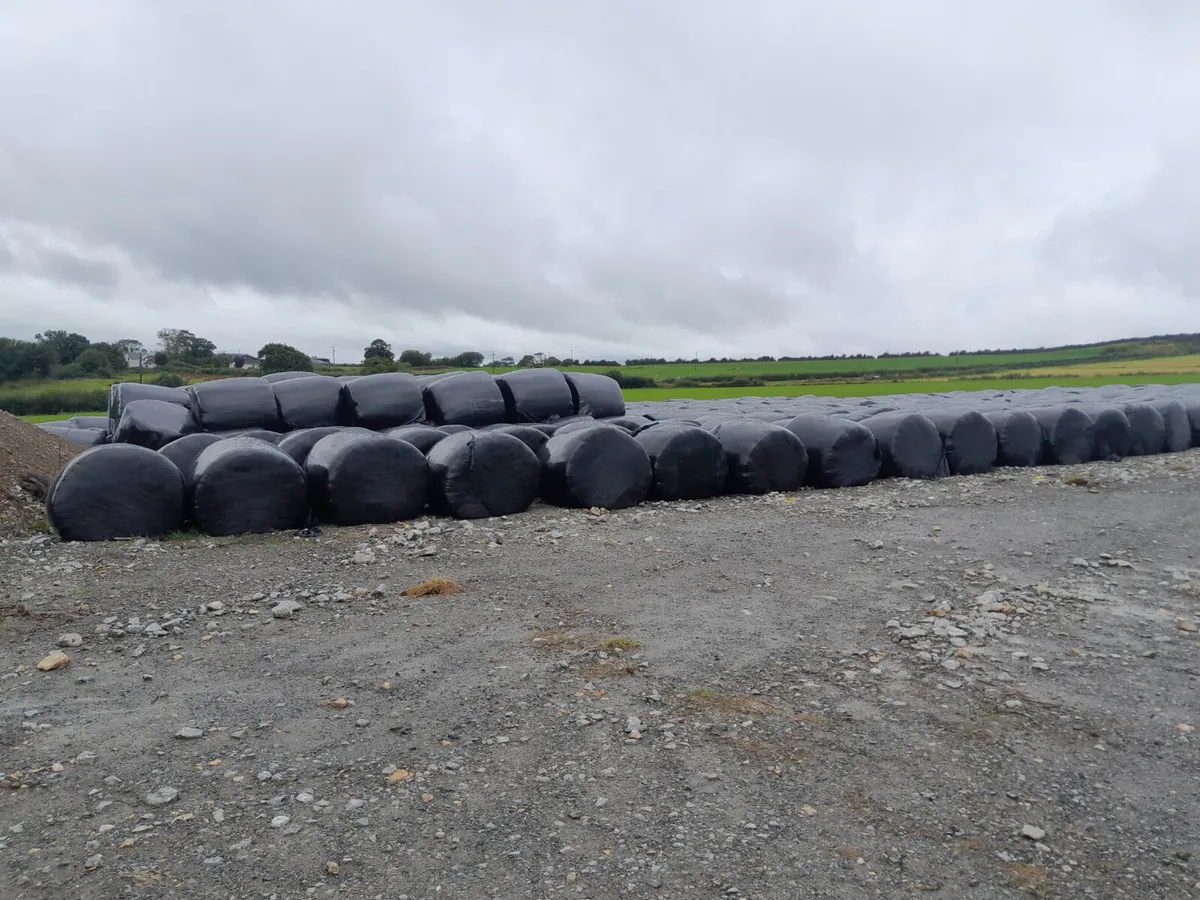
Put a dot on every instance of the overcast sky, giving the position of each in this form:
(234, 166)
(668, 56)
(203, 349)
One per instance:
(612, 178)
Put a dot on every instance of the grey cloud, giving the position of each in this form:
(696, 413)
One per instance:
(768, 177)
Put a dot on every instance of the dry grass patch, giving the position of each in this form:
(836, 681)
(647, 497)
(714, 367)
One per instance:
(711, 703)
(606, 659)
(434, 587)
(1025, 876)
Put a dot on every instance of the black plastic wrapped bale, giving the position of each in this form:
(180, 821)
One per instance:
(276, 377)
(595, 395)
(841, 453)
(581, 424)
(1192, 405)
(308, 402)
(1148, 428)
(83, 437)
(184, 453)
(88, 422)
(382, 401)
(479, 474)
(632, 424)
(423, 437)
(969, 439)
(456, 429)
(760, 457)
(909, 446)
(1177, 424)
(246, 486)
(531, 437)
(1067, 435)
(297, 444)
(116, 491)
(259, 434)
(362, 478)
(153, 424)
(602, 466)
(535, 395)
(468, 398)
(119, 395)
(235, 403)
(1018, 438)
(1112, 435)
(687, 462)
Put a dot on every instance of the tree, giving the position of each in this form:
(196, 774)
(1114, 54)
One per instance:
(379, 349)
(373, 365)
(508, 362)
(181, 344)
(94, 362)
(526, 362)
(469, 360)
(283, 358)
(113, 353)
(552, 361)
(161, 358)
(67, 347)
(416, 358)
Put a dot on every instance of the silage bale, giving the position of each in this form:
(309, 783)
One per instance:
(258, 434)
(531, 436)
(100, 422)
(247, 486)
(298, 444)
(1112, 435)
(760, 457)
(232, 404)
(277, 377)
(153, 424)
(80, 437)
(116, 491)
(910, 445)
(969, 439)
(423, 437)
(841, 453)
(382, 401)
(184, 453)
(480, 474)
(686, 462)
(362, 478)
(535, 395)
(471, 399)
(1018, 438)
(601, 466)
(1149, 431)
(123, 393)
(1178, 425)
(1067, 435)
(595, 395)
(308, 402)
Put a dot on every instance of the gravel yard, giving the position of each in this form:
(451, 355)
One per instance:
(978, 687)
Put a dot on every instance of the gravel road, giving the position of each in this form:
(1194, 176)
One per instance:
(974, 688)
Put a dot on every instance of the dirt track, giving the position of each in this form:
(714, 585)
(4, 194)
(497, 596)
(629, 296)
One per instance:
(858, 693)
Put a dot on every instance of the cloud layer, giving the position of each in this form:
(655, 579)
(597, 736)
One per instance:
(630, 177)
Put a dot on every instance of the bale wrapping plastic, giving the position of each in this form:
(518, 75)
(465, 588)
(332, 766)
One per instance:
(80, 437)
(602, 466)
(423, 437)
(360, 478)
(472, 399)
(969, 439)
(235, 403)
(1177, 424)
(382, 401)
(479, 474)
(308, 402)
(1018, 438)
(276, 377)
(686, 462)
(88, 422)
(760, 457)
(153, 424)
(1067, 435)
(595, 395)
(116, 491)
(247, 486)
(126, 392)
(1112, 435)
(909, 445)
(1149, 431)
(841, 453)
(535, 395)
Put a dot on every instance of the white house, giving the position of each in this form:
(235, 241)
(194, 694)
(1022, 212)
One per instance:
(139, 360)
(242, 361)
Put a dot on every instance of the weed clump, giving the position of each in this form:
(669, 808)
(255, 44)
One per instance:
(434, 587)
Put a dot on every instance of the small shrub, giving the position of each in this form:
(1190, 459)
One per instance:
(434, 587)
(169, 379)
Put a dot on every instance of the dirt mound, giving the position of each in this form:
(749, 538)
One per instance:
(29, 456)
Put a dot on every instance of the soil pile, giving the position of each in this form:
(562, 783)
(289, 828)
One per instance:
(29, 458)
